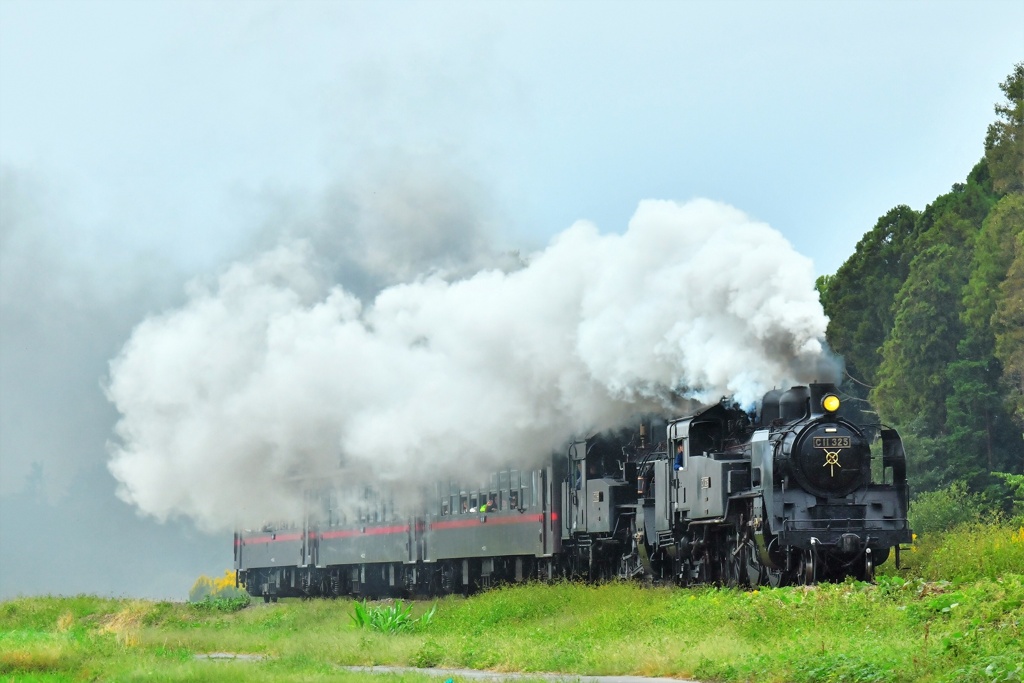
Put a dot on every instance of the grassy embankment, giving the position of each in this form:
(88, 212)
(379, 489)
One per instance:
(912, 627)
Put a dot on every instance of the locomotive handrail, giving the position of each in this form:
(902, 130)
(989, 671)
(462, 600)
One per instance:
(837, 523)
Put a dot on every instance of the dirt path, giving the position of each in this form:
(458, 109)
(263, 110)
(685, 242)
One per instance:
(498, 676)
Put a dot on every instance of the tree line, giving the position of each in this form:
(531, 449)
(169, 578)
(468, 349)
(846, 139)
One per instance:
(928, 313)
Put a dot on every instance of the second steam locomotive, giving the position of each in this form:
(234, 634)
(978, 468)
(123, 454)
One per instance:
(796, 494)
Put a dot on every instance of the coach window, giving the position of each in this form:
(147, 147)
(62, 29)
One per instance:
(515, 482)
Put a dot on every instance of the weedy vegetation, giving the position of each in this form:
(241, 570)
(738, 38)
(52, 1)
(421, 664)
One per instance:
(389, 618)
(954, 613)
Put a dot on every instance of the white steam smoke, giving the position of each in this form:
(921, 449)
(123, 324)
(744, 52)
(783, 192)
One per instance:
(272, 375)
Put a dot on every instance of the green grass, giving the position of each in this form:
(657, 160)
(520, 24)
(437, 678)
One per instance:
(904, 628)
(968, 552)
(897, 630)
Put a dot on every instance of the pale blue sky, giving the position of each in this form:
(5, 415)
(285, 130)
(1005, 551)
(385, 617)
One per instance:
(144, 142)
(162, 125)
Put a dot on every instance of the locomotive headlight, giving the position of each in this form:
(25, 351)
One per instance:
(830, 403)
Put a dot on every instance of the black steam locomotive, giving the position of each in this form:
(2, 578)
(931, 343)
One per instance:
(795, 495)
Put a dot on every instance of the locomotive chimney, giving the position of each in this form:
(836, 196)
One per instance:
(643, 435)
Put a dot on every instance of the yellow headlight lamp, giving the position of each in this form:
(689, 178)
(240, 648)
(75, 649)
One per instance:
(830, 403)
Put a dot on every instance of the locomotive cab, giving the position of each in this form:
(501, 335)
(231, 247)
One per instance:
(714, 466)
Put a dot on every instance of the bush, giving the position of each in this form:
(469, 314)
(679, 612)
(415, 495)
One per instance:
(945, 509)
(969, 552)
(222, 588)
(221, 604)
(1015, 486)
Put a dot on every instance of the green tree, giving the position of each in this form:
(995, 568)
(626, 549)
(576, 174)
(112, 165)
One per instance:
(920, 372)
(980, 432)
(1004, 142)
(929, 314)
(970, 201)
(926, 459)
(912, 383)
(1008, 326)
(859, 298)
(993, 254)
(977, 418)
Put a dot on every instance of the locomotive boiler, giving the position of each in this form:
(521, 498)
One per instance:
(800, 492)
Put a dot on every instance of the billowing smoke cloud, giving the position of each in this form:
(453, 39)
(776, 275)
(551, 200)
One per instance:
(402, 215)
(274, 374)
